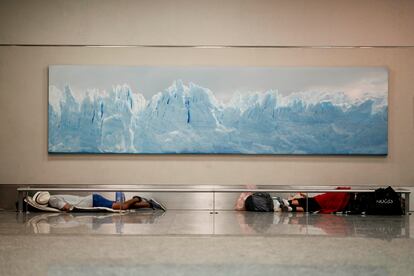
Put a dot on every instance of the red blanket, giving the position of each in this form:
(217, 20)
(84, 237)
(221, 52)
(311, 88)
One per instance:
(333, 202)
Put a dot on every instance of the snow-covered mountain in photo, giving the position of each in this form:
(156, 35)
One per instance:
(189, 118)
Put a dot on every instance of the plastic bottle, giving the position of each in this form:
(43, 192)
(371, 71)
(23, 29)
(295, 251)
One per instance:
(120, 197)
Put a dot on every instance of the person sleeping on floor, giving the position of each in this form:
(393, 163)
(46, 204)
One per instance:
(323, 203)
(69, 202)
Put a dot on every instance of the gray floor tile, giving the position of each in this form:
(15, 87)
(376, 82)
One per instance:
(199, 243)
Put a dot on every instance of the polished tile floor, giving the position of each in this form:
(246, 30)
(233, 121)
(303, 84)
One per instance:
(201, 243)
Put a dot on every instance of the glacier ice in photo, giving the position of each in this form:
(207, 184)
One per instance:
(208, 110)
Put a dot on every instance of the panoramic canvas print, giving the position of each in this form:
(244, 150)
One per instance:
(218, 110)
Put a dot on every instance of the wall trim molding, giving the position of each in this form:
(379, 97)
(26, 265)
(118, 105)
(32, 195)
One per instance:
(211, 46)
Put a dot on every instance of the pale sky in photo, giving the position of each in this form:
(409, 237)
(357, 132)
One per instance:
(223, 81)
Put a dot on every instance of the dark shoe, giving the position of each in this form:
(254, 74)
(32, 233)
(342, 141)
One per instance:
(156, 205)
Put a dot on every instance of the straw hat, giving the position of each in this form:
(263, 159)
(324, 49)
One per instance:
(41, 198)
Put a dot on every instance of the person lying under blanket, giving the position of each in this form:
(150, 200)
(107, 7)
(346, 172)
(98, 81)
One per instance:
(69, 202)
(323, 203)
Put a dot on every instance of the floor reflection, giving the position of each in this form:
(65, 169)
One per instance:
(83, 223)
(383, 227)
(224, 223)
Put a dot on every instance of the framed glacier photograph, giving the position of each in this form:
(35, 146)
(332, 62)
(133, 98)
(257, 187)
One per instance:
(218, 110)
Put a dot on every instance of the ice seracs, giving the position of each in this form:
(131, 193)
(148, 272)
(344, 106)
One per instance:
(188, 118)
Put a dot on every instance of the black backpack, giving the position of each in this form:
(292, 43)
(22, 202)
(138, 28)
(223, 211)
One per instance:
(385, 202)
(259, 202)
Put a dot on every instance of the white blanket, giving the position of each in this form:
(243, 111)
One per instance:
(29, 200)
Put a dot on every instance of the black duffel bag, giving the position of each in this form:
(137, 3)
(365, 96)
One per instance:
(385, 202)
(259, 202)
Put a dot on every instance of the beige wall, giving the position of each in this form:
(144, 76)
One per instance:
(206, 22)
(23, 81)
